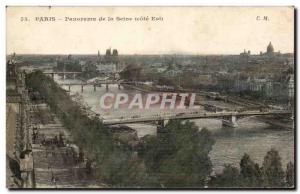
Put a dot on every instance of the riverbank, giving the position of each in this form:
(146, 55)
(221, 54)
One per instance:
(57, 159)
(104, 155)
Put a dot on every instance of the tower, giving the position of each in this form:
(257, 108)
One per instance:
(107, 56)
(108, 52)
(115, 56)
(115, 52)
(11, 69)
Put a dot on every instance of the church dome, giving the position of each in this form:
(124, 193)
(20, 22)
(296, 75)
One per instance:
(270, 48)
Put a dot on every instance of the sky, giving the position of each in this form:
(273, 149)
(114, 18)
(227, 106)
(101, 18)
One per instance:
(183, 30)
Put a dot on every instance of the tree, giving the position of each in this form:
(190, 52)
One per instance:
(230, 178)
(153, 152)
(251, 175)
(272, 169)
(131, 72)
(250, 172)
(290, 177)
(180, 155)
(122, 169)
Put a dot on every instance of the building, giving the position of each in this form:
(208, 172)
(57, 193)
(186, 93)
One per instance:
(246, 53)
(270, 51)
(290, 86)
(111, 57)
(109, 63)
(68, 64)
(106, 68)
(263, 86)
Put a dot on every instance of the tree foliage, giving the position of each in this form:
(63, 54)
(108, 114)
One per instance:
(290, 175)
(250, 172)
(179, 157)
(250, 175)
(230, 178)
(272, 169)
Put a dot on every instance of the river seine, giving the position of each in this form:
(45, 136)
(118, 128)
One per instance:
(252, 136)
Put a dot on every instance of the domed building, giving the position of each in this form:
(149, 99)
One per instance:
(270, 48)
(270, 51)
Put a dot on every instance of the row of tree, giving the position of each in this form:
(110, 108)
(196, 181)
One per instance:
(251, 175)
(116, 166)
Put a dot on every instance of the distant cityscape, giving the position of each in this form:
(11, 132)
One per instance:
(268, 76)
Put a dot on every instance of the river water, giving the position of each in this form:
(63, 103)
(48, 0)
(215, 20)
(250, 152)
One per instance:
(252, 136)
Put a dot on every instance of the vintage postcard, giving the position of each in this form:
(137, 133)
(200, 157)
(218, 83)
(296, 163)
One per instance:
(150, 97)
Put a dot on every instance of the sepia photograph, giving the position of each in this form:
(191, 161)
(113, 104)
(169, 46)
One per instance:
(157, 97)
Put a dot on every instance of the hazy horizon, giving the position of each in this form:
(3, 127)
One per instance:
(146, 54)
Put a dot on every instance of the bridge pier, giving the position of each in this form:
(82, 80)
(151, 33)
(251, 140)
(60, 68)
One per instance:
(161, 123)
(231, 122)
(160, 129)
